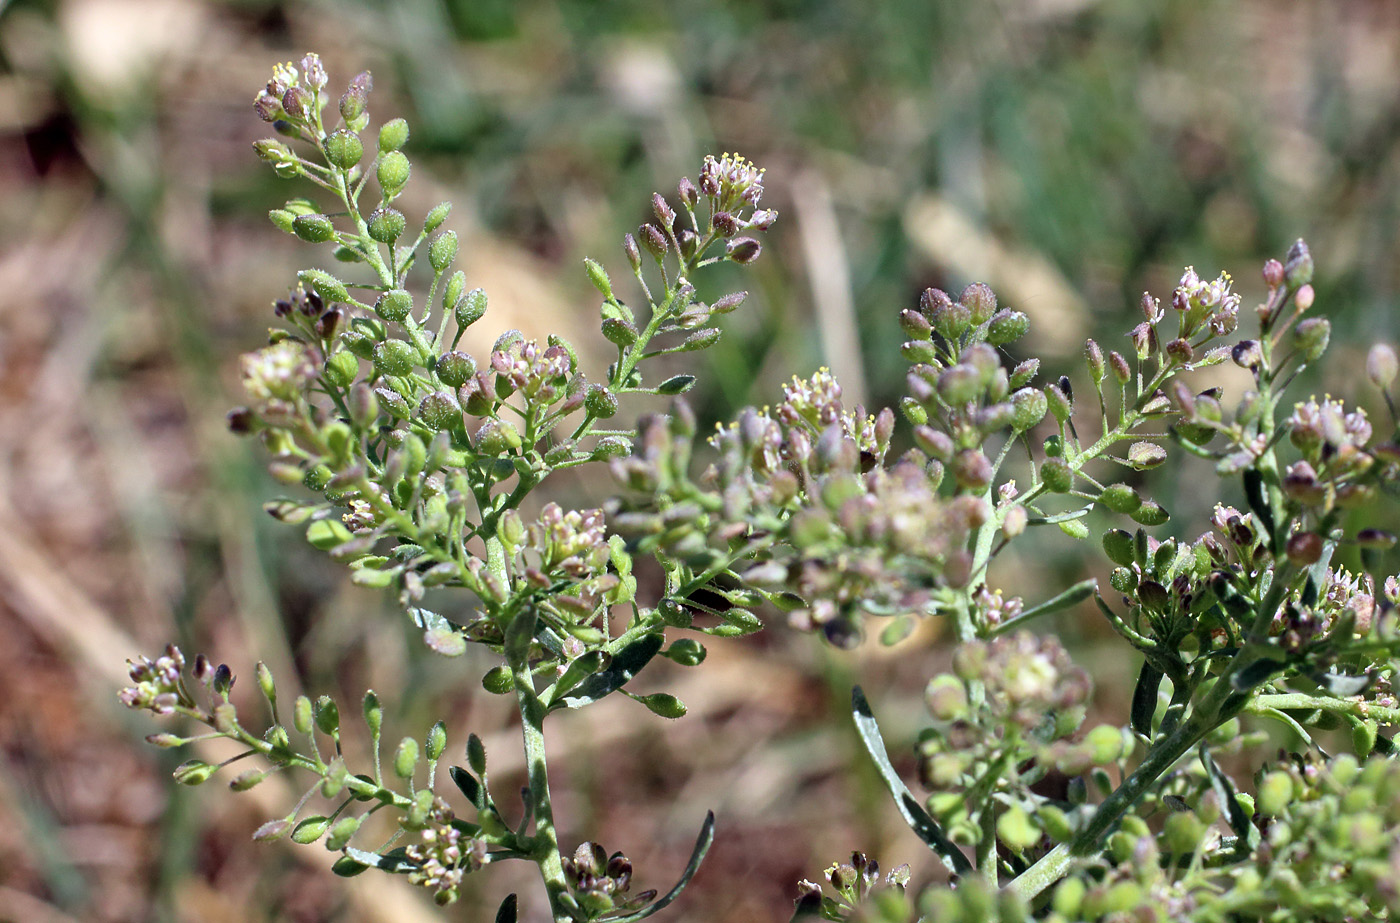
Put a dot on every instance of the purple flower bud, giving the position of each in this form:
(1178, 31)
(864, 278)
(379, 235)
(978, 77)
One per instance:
(980, 301)
(352, 104)
(1298, 265)
(1273, 273)
(663, 211)
(1121, 372)
(1382, 365)
(296, 102)
(687, 191)
(653, 240)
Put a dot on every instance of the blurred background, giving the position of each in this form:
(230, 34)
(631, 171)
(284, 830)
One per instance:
(1070, 153)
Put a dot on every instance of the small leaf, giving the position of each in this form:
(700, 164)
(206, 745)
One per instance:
(1224, 788)
(915, 816)
(394, 861)
(1255, 674)
(1254, 493)
(1070, 597)
(507, 913)
(1342, 684)
(469, 786)
(346, 867)
(273, 830)
(702, 846)
(1145, 699)
(626, 663)
(445, 641)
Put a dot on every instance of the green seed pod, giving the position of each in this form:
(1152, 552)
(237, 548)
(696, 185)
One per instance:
(498, 680)
(442, 251)
(663, 704)
(1015, 829)
(452, 291)
(497, 437)
(406, 758)
(470, 309)
(283, 220)
(393, 172)
(194, 772)
(343, 149)
(1105, 742)
(342, 368)
(674, 613)
(374, 713)
(1120, 498)
(316, 229)
(620, 332)
(1028, 408)
(436, 741)
(1069, 897)
(1310, 337)
(247, 779)
(1182, 833)
(324, 284)
(1058, 402)
(1298, 265)
(327, 716)
(1118, 545)
(980, 301)
(1144, 455)
(363, 405)
(393, 135)
(265, 683)
(1054, 822)
(600, 402)
(1276, 791)
(455, 368)
(686, 651)
(599, 277)
(1056, 474)
(310, 830)
(395, 357)
(1006, 326)
(919, 351)
(946, 698)
(436, 217)
(386, 225)
(1151, 513)
(440, 411)
(342, 832)
(476, 755)
(302, 715)
(677, 384)
(700, 339)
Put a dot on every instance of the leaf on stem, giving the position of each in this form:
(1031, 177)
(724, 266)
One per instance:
(1224, 788)
(924, 826)
(626, 664)
(1149, 681)
(394, 861)
(1070, 597)
(702, 846)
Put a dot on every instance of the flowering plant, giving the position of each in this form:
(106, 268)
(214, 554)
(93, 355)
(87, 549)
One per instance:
(421, 461)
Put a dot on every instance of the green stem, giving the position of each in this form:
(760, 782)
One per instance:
(544, 844)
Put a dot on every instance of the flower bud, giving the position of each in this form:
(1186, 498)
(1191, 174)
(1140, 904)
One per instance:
(1273, 273)
(972, 470)
(1058, 401)
(1382, 365)
(327, 286)
(629, 247)
(652, 240)
(1247, 354)
(296, 103)
(497, 437)
(1311, 336)
(599, 277)
(352, 104)
(1121, 372)
(700, 339)
(301, 715)
(980, 301)
(1298, 265)
(1093, 358)
(436, 741)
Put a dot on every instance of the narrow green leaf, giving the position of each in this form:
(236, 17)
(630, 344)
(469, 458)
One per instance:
(702, 846)
(393, 861)
(924, 826)
(1259, 503)
(1224, 788)
(1070, 597)
(626, 664)
(1255, 674)
(469, 786)
(1145, 699)
(507, 913)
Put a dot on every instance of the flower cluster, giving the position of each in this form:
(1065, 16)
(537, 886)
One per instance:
(444, 855)
(600, 882)
(861, 895)
(159, 687)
